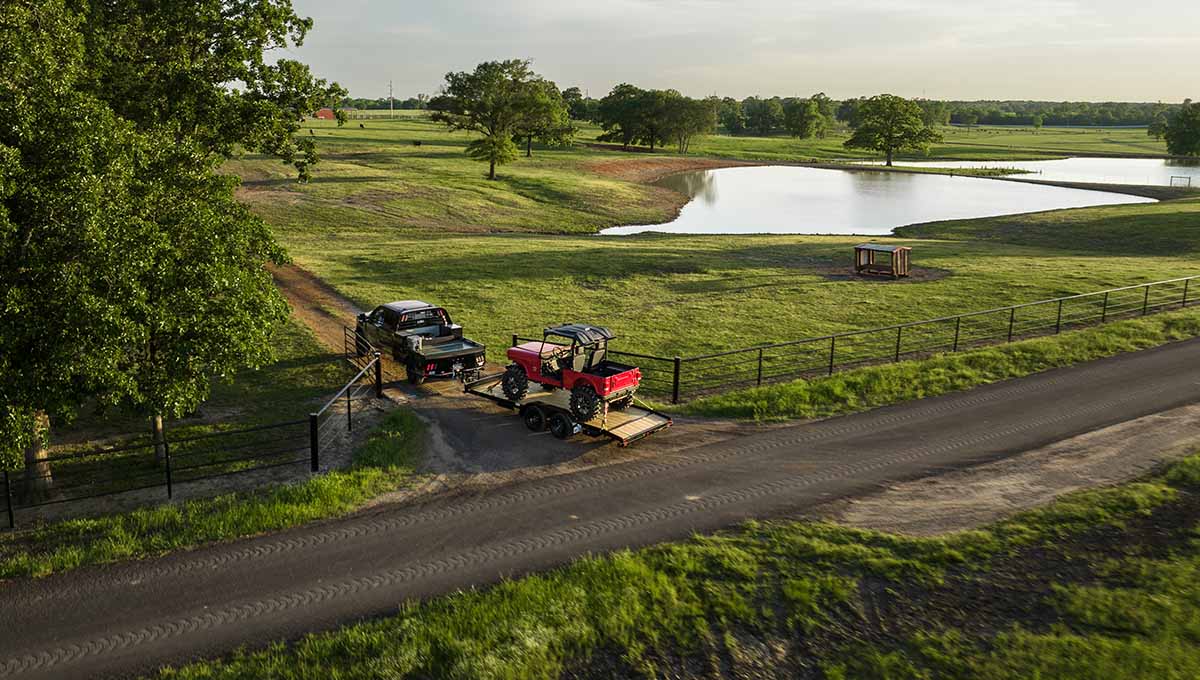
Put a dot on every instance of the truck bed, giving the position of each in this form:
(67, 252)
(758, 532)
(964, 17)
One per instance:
(450, 348)
(625, 427)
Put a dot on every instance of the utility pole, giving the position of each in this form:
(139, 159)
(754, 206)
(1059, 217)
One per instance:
(391, 102)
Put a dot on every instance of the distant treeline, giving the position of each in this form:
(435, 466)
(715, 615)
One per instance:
(1031, 113)
(420, 101)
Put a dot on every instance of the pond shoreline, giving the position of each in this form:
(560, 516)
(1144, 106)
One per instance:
(658, 170)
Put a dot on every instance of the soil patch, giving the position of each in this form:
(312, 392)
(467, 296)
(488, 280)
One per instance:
(971, 497)
(647, 170)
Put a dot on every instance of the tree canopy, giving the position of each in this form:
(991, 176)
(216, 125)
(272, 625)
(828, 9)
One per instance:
(631, 115)
(130, 274)
(498, 100)
(889, 124)
(1183, 130)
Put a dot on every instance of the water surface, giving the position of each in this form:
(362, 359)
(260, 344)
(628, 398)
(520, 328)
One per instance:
(1152, 171)
(797, 200)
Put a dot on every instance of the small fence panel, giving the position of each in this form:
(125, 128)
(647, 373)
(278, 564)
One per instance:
(146, 466)
(95, 473)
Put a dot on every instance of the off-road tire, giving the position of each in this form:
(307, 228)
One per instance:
(414, 374)
(535, 418)
(515, 383)
(622, 403)
(561, 426)
(585, 403)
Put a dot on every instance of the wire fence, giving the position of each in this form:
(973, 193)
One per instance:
(173, 461)
(680, 378)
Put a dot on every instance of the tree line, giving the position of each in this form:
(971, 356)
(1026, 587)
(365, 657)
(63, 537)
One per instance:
(419, 102)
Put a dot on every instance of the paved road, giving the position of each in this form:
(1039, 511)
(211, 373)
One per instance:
(134, 617)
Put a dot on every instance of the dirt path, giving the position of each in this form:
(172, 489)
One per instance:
(473, 443)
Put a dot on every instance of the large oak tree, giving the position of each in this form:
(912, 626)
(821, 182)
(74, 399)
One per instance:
(888, 124)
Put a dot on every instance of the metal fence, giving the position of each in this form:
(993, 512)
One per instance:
(679, 378)
(145, 465)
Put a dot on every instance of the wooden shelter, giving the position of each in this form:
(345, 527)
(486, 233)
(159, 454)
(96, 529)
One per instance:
(867, 260)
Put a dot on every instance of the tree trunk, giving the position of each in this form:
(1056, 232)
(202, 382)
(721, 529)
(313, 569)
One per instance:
(160, 446)
(492, 170)
(38, 479)
(889, 158)
(529, 146)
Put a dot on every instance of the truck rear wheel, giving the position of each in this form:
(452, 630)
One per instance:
(561, 426)
(535, 418)
(515, 383)
(585, 403)
(415, 376)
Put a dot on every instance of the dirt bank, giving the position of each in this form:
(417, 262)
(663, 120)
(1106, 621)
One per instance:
(972, 497)
(647, 170)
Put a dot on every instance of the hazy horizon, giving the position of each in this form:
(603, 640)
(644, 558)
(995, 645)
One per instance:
(1048, 50)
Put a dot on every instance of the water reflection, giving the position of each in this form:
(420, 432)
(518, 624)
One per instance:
(797, 200)
(1148, 171)
(698, 185)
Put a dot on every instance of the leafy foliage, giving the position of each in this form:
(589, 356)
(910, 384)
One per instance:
(889, 124)
(168, 65)
(497, 100)
(1183, 130)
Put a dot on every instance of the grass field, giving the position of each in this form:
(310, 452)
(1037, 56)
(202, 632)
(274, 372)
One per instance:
(385, 220)
(1098, 584)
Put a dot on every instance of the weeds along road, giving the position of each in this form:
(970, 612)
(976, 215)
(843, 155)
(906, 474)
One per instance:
(134, 617)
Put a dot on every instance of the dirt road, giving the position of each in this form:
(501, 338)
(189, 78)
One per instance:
(137, 616)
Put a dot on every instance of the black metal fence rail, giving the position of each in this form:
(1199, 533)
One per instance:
(826, 354)
(677, 378)
(145, 465)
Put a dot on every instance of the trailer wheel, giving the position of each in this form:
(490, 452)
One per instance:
(415, 376)
(515, 383)
(622, 403)
(561, 426)
(535, 418)
(585, 403)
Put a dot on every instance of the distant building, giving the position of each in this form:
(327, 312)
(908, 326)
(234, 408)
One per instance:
(325, 114)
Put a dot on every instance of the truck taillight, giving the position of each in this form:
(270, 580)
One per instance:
(429, 367)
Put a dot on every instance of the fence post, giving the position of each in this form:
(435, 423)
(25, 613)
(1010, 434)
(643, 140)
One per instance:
(760, 355)
(514, 340)
(1104, 311)
(675, 381)
(1058, 324)
(12, 522)
(832, 349)
(1185, 287)
(898, 330)
(957, 326)
(167, 456)
(378, 376)
(1146, 301)
(1012, 318)
(314, 442)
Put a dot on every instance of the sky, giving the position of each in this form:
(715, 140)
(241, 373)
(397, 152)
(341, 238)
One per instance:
(1079, 50)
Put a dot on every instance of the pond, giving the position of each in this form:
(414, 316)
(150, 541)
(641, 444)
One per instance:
(1152, 171)
(798, 200)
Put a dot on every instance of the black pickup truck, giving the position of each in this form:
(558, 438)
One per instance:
(422, 338)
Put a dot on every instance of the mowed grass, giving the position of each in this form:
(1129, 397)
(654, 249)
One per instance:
(828, 601)
(387, 461)
(377, 176)
(386, 220)
(980, 143)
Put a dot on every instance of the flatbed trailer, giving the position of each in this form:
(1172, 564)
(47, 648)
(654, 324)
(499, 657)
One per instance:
(551, 409)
